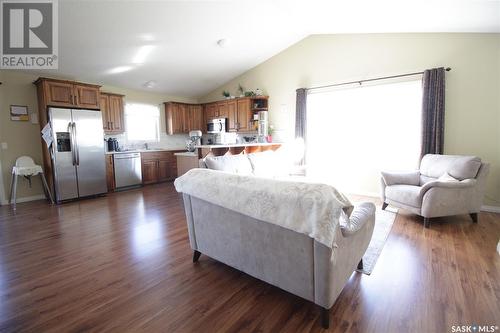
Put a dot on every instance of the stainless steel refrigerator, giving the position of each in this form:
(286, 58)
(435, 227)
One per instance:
(77, 153)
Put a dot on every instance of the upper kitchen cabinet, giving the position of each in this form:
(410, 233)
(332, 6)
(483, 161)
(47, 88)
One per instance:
(111, 106)
(244, 115)
(182, 117)
(68, 93)
(211, 111)
(175, 117)
(239, 112)
(232, 124)
(195, 117)
(222, 109)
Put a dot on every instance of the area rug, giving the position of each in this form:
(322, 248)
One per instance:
(384, 219)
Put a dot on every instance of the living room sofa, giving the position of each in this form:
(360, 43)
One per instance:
(285, 258)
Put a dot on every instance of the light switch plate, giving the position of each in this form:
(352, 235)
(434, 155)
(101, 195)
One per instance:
(5, 145)
(34, 118)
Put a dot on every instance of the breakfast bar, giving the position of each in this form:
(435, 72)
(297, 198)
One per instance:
(189, 160)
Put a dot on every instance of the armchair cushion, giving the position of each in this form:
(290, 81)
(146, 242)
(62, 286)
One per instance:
(459, 167)
(401, 178)
(406, 194)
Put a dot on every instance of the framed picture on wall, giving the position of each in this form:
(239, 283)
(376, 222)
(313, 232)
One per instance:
(19, 113)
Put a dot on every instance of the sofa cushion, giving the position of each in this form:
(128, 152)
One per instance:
(459, 167)
(230, 163)
(268, 164)
(405, 194)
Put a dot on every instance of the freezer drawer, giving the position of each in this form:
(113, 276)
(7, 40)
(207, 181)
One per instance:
(127, 169)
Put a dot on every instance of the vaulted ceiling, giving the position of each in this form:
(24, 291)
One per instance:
(174, 43)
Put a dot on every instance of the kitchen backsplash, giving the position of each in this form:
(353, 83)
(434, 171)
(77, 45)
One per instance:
(176, 141)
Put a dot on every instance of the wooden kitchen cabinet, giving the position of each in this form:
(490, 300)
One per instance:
(195, 117)
(110, 173)
(222, 109)
(238, 112)
(211, 111)
(182, 117)
(87, 97)
(244, 115)
(69, 93)
(175, 117)
(232, 114)
(149, 171)
(158, 166)
(112, 113)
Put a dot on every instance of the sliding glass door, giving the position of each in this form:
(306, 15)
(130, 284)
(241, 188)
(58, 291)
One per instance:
(355, 132)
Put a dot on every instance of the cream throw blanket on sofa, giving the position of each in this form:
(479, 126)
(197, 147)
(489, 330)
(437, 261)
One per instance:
(309, 208)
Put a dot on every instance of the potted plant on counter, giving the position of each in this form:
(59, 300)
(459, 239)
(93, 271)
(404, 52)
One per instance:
(270, 130)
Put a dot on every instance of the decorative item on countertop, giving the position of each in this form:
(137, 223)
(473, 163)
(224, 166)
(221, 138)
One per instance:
(258, 92)
(270, 131)
(249, 93)
(241, 90)
(226, 94)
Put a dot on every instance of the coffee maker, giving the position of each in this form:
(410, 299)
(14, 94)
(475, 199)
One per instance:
(194, 140)
(112, 144)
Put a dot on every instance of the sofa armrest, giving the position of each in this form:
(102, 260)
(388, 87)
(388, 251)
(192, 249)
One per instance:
(401, 178)
(359, 217)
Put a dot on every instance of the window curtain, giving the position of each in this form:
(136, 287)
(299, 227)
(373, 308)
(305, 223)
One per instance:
(301, 121)
(433, 111)
(300, 114)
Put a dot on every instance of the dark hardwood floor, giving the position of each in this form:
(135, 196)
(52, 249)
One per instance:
(122, 263)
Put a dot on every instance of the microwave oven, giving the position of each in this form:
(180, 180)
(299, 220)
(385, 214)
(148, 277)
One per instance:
(217, 125)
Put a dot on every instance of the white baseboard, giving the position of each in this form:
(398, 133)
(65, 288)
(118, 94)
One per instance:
(25, 199)
(491, 209)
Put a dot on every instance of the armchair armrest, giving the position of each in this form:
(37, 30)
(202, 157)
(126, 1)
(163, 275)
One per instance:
(401, 178)
(466, 183)
(359, 217)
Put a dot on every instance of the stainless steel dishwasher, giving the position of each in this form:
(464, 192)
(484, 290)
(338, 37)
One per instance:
(127, 169)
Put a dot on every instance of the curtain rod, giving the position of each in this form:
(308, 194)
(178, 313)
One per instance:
(368, 80)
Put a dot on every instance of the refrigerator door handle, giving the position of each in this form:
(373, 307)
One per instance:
(72, 143)
(77, 152)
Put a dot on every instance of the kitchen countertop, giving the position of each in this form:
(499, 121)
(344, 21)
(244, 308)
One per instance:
(187, 153)
(144, 150)
(240, 145)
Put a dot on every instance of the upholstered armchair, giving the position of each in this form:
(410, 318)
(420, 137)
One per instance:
(445, 185)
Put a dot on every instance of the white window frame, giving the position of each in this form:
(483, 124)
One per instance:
(146, 110)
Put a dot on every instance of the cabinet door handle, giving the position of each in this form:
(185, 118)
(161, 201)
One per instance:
(112, 126)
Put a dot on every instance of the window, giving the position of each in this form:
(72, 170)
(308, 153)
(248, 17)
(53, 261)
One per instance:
(355, 132)
(142, 122)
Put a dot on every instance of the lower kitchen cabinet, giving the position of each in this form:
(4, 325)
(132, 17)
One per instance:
(110, 173)
(149, 171)
(158, 166)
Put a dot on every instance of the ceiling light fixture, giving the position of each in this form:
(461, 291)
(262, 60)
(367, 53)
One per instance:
(150, 84)
(223, 42)
(119, 69)
(142, 54)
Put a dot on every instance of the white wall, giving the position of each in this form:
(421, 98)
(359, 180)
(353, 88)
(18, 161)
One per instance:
(472, 87)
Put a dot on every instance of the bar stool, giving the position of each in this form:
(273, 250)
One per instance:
(26, 167)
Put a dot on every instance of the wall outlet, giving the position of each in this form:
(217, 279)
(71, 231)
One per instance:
(5, 145)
